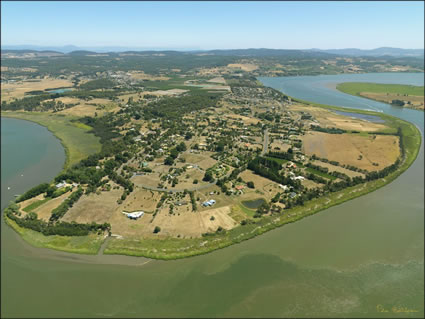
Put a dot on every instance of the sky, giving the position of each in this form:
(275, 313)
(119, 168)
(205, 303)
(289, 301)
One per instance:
(214, 25)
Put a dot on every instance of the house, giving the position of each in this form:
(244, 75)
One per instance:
(239, 187)
(60, 185)
(291, 164)
(134, 215)
(300, 178)
(284, 187)
(209, 203)
(292, 195)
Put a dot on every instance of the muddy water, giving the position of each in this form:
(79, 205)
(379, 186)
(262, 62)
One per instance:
(352, 260)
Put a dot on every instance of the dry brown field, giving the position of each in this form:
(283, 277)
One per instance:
(330, 119)
(203, 160)
(141, 199)
(140, 75)
(243, 66)
(356, 150)
(416, 101)
(18, 89)
(247, 120)
(45, 211)
(86, 108)
(310, 184)
(334, 168)
(277, 145)
(93, 207)
(266, 187)
(218, 80)
(193, 224)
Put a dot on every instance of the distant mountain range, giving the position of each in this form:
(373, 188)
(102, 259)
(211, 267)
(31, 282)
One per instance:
(70, 48)
(374, 52)
(75, 50)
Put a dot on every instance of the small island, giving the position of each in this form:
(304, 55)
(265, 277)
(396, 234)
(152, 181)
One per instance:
(395, 94)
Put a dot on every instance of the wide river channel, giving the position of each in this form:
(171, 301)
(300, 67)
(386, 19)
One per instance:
(363, 258)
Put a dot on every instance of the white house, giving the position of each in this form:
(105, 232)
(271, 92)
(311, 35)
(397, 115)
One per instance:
(134, 215)
(60, 185)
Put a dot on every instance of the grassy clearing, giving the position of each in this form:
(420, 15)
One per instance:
(88, 245)
(249, 212)
(322, 174)
(277, 160)
(76, 140)
(355, 88)
(36, 204)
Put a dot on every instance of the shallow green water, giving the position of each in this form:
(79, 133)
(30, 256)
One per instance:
(253, 204)
(344, 261)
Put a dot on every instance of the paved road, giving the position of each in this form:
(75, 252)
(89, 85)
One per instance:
(265, 142)
(170, 190)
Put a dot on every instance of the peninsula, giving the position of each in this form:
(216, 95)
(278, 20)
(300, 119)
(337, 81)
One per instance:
(187, 155)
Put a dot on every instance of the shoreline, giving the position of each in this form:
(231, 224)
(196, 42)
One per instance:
(69, 147)
(369, 98)
(171, 248)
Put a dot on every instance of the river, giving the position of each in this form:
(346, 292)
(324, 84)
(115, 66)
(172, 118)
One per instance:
(351, 260)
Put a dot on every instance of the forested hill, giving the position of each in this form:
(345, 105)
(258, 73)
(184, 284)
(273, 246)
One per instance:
(256, 62)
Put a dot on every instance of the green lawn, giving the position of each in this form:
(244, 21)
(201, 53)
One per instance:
(36, 204)
(277, 160)
(249, 212)
(355, 88)
(78, 143)
(322, 174)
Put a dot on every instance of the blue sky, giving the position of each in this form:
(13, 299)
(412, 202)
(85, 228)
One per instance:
(215, 25)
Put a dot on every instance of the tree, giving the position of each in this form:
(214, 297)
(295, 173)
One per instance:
(181, 147)
(169, 161)
(208, 176)
(157, 229)
(397, 102)
(250, 184)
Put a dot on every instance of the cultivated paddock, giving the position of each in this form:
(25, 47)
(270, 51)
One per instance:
(97, 208)
(352, 149)
(18, 89)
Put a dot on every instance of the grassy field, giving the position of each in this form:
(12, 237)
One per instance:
(322, 174)
(355, 88)
(89, 245)
(36, 204)
(412, 96)
(76, 140)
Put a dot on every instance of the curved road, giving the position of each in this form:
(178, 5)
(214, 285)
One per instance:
(197, 188)
(265, 142)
